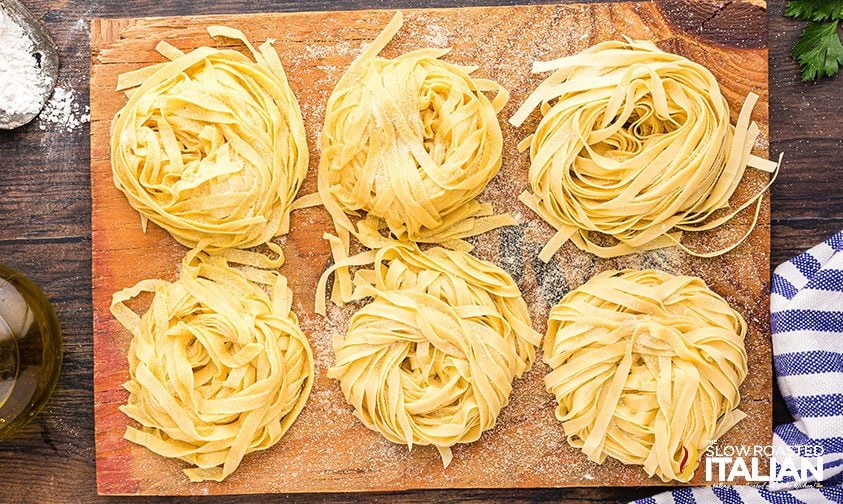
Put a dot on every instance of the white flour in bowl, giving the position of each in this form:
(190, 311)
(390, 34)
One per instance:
(21, 81)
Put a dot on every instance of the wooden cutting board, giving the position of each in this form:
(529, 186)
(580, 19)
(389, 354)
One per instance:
(327, 449)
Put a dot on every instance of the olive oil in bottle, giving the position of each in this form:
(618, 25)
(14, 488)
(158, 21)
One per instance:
(30, 350)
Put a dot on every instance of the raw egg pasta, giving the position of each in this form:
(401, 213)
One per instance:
(218, 367)
(407, 145)
(635, 144)
(211, 145)
(646, 368)
(431, 359)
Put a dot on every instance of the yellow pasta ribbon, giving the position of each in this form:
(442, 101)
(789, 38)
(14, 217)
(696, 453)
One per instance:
(431, 359)
(407, 145)
(218, 368)
(211, 145)
(646, 368)
(635, 143)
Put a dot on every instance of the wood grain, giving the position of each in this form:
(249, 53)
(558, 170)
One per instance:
(327, 449)
(725, 23)
(45, 232)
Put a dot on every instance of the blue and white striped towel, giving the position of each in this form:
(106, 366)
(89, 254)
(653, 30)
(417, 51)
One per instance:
(806, 307)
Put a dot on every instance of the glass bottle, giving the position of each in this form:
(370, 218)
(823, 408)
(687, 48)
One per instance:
(30, 350)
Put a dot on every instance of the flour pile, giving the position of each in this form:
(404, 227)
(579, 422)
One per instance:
(23, 82)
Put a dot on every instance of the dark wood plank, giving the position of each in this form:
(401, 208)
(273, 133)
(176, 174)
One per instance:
(44, 216)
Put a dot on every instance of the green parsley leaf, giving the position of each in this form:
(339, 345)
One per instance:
(819, 50)
(815, 10)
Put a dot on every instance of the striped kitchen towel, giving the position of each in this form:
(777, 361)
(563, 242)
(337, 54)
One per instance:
(806, 307)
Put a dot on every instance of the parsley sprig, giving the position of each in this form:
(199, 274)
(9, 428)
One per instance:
(819, 50)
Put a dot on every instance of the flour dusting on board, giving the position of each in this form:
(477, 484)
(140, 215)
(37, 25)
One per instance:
(341, 48)
(436, 36)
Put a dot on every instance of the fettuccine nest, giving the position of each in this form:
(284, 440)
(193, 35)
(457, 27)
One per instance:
(408, 143)
(646, 369)
(431, 359)
(635, 144)
(218, 368)
(211, 144)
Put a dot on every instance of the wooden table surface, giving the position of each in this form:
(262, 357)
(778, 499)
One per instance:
(45, 226)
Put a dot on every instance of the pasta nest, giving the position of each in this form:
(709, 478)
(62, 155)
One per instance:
(431, 359)
(218, 368)
(646, 368)
(635, 144)
(211, 145)
(410, 142)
